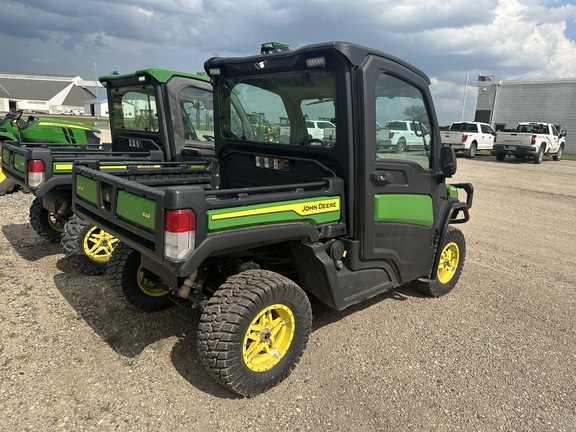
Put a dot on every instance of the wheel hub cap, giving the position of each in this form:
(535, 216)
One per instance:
(449, 260)
(268, 338)
(98, 244)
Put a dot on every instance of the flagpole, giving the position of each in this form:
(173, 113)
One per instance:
(464, 101)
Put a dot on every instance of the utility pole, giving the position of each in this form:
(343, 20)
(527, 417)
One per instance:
(97, 104)
(464, 101)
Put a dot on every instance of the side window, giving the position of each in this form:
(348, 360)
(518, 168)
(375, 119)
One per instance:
(197, 114)
(554, 130)
(400, 108)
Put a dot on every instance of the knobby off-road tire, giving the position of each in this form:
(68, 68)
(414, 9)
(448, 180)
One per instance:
(44, 223)
(452, 254)
(141, 289)
(86, 246)
(253, 331)
(6, 184)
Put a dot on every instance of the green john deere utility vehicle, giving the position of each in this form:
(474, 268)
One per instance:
(265, 225)
(41, 130)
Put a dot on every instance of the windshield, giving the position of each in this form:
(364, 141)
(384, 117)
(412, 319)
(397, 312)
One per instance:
(290, 108)
(134, 108)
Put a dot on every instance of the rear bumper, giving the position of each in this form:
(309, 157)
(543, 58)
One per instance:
(514, 149)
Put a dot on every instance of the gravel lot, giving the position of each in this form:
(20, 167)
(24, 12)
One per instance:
(496, 354)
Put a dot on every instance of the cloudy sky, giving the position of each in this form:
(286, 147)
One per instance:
(448, 39)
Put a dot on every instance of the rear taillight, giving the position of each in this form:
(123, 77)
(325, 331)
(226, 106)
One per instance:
(179, 233)
(464, 137)
(36, 173)
(533, 139)
(390, 135)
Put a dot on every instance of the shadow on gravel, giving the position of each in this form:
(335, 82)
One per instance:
(28, 244)
(324, 315)
(129, 332)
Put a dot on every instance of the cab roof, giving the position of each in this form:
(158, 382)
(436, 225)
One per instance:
(355, 55)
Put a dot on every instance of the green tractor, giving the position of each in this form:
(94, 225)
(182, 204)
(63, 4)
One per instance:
(41, 130)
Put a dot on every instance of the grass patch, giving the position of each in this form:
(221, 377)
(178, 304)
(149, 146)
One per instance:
(25, 292)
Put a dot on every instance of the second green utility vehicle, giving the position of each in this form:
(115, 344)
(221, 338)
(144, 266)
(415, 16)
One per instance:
(155, 115)
(269, 223)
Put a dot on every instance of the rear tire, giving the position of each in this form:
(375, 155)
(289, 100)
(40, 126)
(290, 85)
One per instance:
(500, 156)
(44, 222)
(452, 255)
(86, 246)
(140, 288)
(253, 331)
(539, 156)
(471, 151)
(401, 145)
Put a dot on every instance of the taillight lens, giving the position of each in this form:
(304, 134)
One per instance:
(533, 139)
(391, 135)
(36, 173)
(464, 137)
(179, 233)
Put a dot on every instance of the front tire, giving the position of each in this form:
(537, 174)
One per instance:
(141, 289)
(86, 246)
(452, 255)
(558, 154)
(44, 222)
(253, 331)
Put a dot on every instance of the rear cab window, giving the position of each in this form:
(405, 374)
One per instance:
(295, 108)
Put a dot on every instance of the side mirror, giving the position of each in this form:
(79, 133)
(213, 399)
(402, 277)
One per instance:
(448, 163)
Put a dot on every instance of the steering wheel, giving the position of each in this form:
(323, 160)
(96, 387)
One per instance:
(15, 115)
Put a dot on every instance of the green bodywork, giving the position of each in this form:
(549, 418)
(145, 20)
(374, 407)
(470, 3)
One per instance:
(42, 130)
(404, 208)
(160, 75)
(317, 211)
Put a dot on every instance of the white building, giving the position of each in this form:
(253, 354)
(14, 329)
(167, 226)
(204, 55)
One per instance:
(46, 94)
(503, 104)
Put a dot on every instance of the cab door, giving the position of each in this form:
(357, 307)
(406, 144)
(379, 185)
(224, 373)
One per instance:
(402, 199)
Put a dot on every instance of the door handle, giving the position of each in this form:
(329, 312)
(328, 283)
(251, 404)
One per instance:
(380, 178)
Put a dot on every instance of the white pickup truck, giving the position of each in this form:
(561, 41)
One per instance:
(468, 137)
(400, 135)
(530, 139)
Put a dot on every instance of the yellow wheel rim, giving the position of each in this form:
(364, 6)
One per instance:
(147, 286)
(449, 260)
(54, 224)
(268, 338)
(98, 244)
(2, 175)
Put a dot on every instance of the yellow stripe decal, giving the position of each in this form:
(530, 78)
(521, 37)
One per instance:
(62, 125)
(302, 209)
